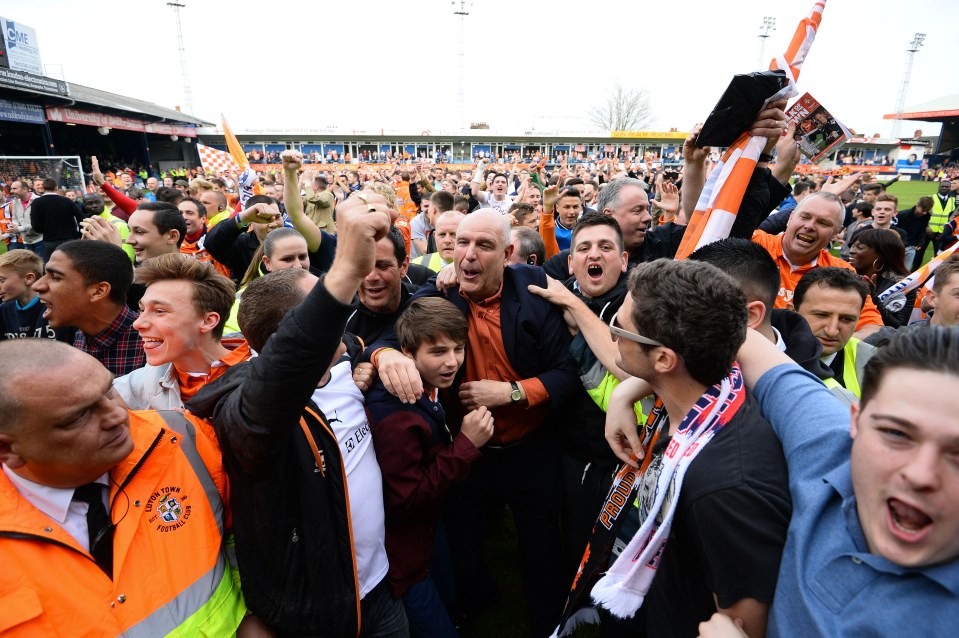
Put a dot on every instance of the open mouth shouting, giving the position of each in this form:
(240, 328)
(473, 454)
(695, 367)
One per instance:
(469, 274)
(906, 522)
(595, 272)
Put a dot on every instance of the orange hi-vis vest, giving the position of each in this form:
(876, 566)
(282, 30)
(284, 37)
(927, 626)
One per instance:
(171, 574)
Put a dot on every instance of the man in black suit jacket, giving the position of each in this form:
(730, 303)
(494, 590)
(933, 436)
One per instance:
(517, 366)
(56, 217)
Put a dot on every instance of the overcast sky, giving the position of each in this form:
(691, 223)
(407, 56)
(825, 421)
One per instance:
(382, 64)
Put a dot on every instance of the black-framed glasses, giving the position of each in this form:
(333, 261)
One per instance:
(615, 331)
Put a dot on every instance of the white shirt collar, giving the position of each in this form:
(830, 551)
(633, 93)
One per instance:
(779, 340)
(52, 501)
(828, 358)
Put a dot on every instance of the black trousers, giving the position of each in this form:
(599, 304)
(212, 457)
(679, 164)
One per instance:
(526, 477)
(50, 246)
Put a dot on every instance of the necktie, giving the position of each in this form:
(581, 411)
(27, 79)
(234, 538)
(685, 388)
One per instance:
(99, 526)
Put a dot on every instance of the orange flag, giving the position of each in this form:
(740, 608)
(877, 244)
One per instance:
(723, 193)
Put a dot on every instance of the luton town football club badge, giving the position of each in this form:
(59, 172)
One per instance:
(170, 509)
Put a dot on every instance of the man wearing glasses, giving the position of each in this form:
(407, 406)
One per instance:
(711, 503)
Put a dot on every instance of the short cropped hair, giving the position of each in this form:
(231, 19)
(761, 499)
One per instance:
(166, 217)
(598, 219)
(212, 292)
(259, 199)
(201, 209)
(872, 187)
(23, 262)
(169, 194)
(748, 263)
(441, 201)
(399, 244)
(918, 348)
(49, 185)
(830, 277)
(693, 308)
(530, 243)
(98, 261)
(521, 211)
(265, 301)
(943, 273)
(609, 197)
(427, 319)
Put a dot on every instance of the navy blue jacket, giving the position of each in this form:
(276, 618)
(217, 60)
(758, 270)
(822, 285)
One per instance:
(535, 336)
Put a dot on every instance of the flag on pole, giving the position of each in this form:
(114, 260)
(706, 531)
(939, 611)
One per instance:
(915, 280)
(247, 182)
(214, 160)
(723, 193)
(233, 145)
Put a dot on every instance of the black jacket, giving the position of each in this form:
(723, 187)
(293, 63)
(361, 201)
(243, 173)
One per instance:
(290, 513)
(232, 246)
(580, 422)
(56, 217)
(369, 325)
(802, 346)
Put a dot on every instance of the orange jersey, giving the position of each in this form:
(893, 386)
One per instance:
(790, 275)
(406, 206)
(404, 228)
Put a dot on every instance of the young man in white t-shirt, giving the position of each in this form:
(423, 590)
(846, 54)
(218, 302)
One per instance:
(495, 198)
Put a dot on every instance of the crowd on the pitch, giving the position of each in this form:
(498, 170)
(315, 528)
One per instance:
(301, 412)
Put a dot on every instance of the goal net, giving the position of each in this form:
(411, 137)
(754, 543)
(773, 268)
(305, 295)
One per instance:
(65, 169)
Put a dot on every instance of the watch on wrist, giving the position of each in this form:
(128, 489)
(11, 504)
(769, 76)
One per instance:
(765, 158)
(515, 396)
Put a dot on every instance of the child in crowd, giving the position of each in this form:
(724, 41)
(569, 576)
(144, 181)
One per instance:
(421, 459)
(21, 312)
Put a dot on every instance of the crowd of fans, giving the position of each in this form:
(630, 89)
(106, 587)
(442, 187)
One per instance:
(301, 412)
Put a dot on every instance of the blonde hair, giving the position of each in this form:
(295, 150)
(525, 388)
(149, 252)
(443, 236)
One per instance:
(198, 183)
(385, 190)
(22, 262)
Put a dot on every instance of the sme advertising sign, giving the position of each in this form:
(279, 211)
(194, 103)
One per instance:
(23, 52)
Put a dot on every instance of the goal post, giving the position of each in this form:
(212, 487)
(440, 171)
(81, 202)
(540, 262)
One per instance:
(65, 169)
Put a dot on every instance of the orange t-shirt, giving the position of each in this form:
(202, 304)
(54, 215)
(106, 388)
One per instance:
(790, 275)
(547, 230)
(487, 359)
(404, 228)
(407, 207)
(190, 384)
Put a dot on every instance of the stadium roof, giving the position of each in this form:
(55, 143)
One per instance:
(937, 110)
(88, 95)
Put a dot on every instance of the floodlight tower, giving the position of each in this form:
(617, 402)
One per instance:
(911, 48)
(187, 92)
(462, 13)
(767, 27)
